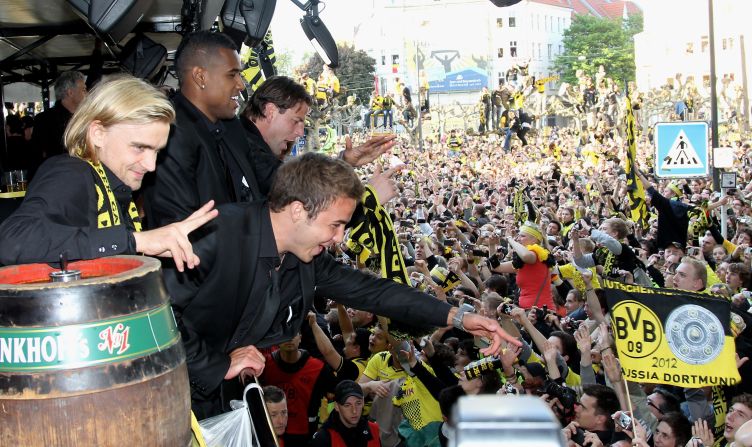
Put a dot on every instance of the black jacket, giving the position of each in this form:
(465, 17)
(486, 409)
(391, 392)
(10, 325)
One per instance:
(265, 163)
(673, 220)
(217, 314)
(357, 436)
(49, 127)
(59, 213)
(189, 170)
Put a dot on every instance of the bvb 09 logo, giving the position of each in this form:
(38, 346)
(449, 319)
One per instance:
(638, 327)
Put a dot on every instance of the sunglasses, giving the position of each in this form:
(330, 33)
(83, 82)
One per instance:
(651, 404)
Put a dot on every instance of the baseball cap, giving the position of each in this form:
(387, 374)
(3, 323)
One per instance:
(535, 369)
(677, 245)
(345, 389)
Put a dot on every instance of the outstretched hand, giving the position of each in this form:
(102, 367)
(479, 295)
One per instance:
(172, 240)
(486, 327)
(368, 151)
(383, 184)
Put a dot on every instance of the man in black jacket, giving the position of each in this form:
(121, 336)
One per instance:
(261, 265)
(207, 157)
(49, 126)
(272, 120)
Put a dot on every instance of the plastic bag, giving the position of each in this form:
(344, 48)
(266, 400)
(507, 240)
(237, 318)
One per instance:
(232, 429)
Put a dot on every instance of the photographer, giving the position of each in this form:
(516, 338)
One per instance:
(593, 416)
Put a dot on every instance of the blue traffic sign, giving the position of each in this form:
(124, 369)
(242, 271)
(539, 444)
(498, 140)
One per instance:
(682, 149)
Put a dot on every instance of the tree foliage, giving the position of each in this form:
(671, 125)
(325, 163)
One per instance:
(355, 72)
(284, 64)
(591, 41)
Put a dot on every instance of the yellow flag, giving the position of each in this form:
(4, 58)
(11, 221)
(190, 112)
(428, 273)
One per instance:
(635, 189)
(672, 336)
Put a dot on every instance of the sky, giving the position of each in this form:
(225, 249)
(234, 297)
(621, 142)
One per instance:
(338, 16)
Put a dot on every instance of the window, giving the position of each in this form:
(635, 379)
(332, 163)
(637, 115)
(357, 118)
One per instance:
(560, 49)
(512, 22)
(704, 43)
(513, 48)
(540, 51)
(532, 50)
(723, 44)
(500, 53)
(690, 47)
(731, 43)
(383, 60)
(550, 49)
(500, 22)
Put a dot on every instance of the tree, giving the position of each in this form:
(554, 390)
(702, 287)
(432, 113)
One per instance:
(355, 71)
(592, 41)
(284, 64)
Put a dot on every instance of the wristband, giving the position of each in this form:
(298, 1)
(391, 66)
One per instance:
(457, 319)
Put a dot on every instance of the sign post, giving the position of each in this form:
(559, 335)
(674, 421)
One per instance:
(682, 150)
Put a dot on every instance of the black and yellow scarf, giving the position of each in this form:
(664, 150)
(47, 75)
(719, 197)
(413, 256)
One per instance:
(108, 212)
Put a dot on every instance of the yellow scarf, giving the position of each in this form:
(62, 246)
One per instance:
(108, 214)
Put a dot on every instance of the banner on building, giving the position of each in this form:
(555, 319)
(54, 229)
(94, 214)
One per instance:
(470, 79)
(672, 336)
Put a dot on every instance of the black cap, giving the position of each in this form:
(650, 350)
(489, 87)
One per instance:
(677, 245)
(345, 389)
(535, 369)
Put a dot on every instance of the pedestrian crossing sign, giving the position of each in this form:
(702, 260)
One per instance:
(682, 149)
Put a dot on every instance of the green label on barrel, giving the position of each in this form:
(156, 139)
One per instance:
(27, 349)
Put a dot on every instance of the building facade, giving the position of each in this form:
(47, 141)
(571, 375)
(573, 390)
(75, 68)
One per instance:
(461, 45)
(673, 51)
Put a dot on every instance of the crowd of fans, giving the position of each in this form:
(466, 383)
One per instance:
(526, 238)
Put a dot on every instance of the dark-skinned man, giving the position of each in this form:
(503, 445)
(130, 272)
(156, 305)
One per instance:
(207, 157)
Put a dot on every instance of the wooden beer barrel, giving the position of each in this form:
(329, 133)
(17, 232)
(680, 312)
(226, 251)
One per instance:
(94, 362)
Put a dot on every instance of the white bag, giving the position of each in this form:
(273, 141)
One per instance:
(232, 429)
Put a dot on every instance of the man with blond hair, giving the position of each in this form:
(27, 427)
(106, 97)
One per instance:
(81, 203)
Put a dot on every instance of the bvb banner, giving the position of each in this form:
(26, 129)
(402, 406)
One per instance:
(672, 336)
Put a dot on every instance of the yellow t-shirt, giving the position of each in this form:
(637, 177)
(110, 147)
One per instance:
(418, 405)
